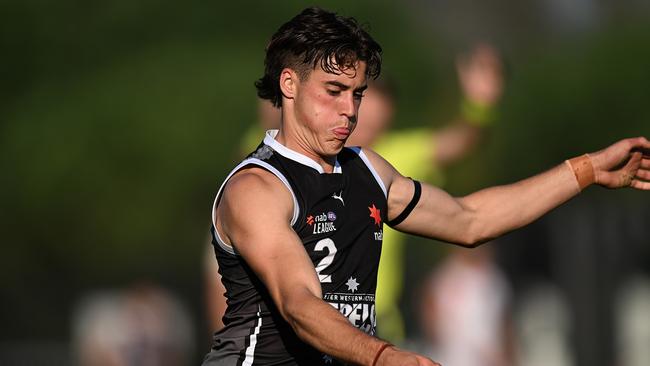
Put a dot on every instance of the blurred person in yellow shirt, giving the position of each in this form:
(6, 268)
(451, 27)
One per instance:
(423, 152)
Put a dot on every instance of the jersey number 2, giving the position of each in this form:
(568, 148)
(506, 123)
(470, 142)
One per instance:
(323, 244)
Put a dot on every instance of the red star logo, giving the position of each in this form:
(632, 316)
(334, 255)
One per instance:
(374, 213)
(310, 220)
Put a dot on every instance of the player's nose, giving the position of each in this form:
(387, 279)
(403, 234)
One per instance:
(349, 107)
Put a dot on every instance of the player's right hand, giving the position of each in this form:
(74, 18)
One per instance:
(394, 356)
(623, 164)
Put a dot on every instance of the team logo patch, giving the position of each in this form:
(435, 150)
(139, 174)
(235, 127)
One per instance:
(331, 216)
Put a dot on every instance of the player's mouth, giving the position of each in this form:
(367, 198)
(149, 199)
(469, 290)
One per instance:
(341, 133)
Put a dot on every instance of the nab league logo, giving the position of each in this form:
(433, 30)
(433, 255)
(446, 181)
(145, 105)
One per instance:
(322, 223)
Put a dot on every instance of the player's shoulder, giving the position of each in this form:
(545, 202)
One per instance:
(256, 192)
(257, 189)
(253, 199)
(377, 163)
(371, 156)
(251, 181)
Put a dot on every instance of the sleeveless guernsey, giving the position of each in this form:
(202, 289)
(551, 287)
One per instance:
(339, 219)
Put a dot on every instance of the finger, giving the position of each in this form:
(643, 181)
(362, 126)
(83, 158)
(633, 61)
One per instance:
(641, 142)
(634, 163)
(645, 163)
(639, 145)
(643, 174)
(638, 184)
(642, 150)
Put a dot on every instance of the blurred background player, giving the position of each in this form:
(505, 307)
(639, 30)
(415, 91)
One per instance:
(465, 308)
(142, 325)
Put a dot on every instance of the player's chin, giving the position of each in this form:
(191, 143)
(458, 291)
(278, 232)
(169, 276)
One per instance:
(335, 146)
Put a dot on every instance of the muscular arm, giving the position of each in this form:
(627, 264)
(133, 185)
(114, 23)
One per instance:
(492, 212)
(254, 216)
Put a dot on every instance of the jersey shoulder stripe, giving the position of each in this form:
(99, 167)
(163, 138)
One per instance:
(243, 164)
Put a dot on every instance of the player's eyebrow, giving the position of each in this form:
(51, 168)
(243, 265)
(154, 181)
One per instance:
(338, 84)
(346, 87)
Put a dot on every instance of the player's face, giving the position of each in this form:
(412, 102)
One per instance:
(327, 106)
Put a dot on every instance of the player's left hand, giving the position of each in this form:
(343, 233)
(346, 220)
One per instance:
(623, 164)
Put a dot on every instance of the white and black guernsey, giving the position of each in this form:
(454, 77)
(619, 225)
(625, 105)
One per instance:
(339, 218)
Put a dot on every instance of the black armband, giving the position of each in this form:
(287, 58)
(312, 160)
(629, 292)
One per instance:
(409, 207)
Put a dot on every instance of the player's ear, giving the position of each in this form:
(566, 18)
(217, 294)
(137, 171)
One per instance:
(288, 82)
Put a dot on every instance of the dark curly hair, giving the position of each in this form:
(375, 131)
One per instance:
(313, 37)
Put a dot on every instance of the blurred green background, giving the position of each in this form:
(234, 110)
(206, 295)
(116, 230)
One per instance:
(119, 119)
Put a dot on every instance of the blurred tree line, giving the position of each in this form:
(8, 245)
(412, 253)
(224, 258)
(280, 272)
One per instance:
(119, 119)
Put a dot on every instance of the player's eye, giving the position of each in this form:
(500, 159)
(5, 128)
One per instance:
(358, 95)
(333, 92)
